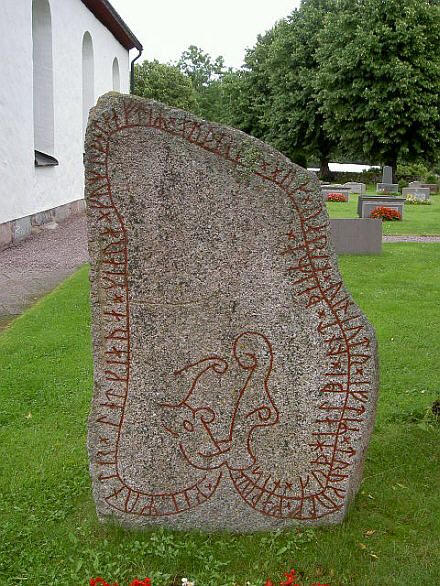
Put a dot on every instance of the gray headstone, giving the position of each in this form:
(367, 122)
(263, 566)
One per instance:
(421, 193)
(368, 203)
(356, 235)
(356, 187)
(335, 188)
(387, 175)
(235, 377)
(383, 188)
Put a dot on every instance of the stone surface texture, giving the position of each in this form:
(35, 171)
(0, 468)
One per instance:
(433, 187)
(21, 228)
(235, 377)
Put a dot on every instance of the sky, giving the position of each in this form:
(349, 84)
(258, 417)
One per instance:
(166, 28)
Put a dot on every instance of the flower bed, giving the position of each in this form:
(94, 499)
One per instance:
(101, 582)
(291, 578)
(414, 200)
(387, 214)
(339, 197)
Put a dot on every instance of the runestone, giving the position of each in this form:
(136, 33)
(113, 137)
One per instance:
(235, 379)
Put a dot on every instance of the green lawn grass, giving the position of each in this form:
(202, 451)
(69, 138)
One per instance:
(49, 532)
(418, 220)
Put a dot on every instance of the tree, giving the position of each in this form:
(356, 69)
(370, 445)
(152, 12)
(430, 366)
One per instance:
(253, 90)
(165, 83)
(277, 93)
(233, 100)
(206, 77)
(294, 120)
(199, 67)
(379, 78)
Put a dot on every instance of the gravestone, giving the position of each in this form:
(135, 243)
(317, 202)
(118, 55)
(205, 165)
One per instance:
(356, 235)
(387, 184)
(421, 193)
(433, 187)
(368, 203)
(387, 174)
(356, 186)
(335, 188)
(235, 377)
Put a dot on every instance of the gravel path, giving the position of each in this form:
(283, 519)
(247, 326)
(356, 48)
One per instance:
(410, 238)
(35, 266)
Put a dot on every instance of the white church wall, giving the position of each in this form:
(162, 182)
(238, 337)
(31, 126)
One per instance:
(25, 189)
(16, 109)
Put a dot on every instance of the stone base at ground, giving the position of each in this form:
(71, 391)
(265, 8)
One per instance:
(235, 377)
(433, 187)
(17, 230)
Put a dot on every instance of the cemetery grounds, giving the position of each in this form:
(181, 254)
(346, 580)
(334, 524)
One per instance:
(419, 220)
(49, 531)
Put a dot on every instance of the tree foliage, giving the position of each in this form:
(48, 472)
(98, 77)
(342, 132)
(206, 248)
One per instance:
(278, 99)
(206, 77)
(357, 78)
(379, 78)
(295, 121)
(199, 66)
(165, 83)
(252, 88)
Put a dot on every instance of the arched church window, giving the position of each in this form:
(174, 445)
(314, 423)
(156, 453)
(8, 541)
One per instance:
(88, 77)
(43, 100)
(115, 75)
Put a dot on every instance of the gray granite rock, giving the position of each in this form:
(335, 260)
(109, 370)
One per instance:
(21, 228)
(235, 377)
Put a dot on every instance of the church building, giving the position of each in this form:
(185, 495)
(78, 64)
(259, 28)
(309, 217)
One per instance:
(58, 57)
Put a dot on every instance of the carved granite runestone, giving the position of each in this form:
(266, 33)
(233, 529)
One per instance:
(235, 377)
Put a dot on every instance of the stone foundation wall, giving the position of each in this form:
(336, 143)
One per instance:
(17, 230)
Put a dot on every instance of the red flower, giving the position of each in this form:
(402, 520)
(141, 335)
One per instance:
(383, 213)
(100, 582)
(336, 197)
(290, 579)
